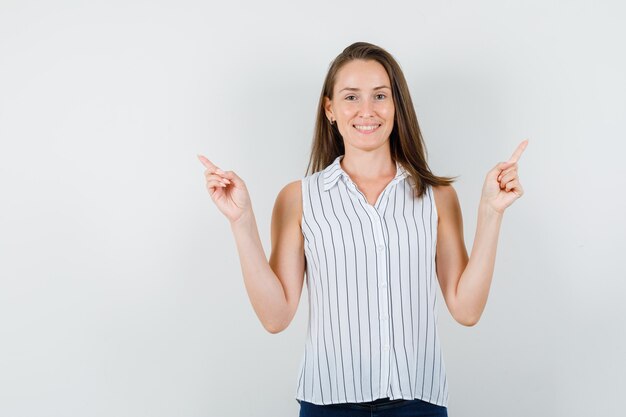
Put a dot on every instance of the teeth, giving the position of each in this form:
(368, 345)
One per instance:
(366, 127)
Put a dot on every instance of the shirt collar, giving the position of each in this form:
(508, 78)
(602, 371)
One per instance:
(333, 172)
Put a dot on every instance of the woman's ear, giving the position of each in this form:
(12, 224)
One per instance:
(328, 108)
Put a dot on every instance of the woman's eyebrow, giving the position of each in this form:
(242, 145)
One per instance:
(358, 89)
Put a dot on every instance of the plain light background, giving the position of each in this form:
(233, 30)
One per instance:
(120, 286)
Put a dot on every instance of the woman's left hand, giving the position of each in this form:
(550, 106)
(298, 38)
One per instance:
(502, 186)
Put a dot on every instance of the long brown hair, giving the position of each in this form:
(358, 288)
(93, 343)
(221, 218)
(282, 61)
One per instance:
(405, 141)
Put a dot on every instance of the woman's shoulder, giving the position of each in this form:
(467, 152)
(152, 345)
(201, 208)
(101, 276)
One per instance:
(292, 190)
(443, 191)
(289, 199)
(446, 198)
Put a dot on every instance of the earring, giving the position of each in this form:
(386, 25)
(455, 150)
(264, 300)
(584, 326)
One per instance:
(332, 121)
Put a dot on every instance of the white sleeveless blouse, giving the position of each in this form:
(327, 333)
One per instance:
(372, 293)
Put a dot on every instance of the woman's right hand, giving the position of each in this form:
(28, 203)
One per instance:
(227, 190)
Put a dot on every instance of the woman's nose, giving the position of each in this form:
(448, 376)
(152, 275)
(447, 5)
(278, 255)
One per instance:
(366, 108)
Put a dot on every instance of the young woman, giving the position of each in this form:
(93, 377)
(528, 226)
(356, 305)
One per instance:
(372, 227)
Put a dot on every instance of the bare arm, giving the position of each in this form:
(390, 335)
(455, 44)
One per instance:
(274, 287)
(474, 283)
(465, 283)
(451, 258)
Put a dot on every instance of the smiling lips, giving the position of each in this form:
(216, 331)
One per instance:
(366, 129)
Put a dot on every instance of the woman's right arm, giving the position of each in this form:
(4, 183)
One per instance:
(274, 287)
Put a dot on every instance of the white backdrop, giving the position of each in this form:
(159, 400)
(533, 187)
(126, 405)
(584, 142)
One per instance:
(120, 286)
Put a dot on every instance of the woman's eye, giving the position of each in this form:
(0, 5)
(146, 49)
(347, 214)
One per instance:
(378, 95)
(348, 98)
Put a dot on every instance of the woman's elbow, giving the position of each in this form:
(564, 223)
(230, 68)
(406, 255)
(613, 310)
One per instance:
(276, 327)
(274, 330)
(470, 323)
(467, 321)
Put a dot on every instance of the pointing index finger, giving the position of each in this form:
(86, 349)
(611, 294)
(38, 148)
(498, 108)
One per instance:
(207, 163)
(518, 152)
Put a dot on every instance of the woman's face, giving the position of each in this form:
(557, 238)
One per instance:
(362, 105)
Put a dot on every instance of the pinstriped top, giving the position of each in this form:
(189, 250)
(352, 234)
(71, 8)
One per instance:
(372, 293)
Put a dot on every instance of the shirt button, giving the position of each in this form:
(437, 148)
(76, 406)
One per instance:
(383, 284)
(386, 347)
(384, 318)
(381, 247)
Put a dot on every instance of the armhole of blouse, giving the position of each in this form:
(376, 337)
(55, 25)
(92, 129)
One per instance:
(434, 204)
(436, 214)
(303, 182)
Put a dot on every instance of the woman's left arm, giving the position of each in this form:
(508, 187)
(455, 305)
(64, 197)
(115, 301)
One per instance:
(465, 282)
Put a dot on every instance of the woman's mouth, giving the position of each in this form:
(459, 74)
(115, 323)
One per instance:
(366, 129)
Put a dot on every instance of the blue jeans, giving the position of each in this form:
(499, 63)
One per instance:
(382, 407)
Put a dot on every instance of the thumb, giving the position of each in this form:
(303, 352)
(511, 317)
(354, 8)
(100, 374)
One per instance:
(505, 165)
(501, 166)
(234, 178)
